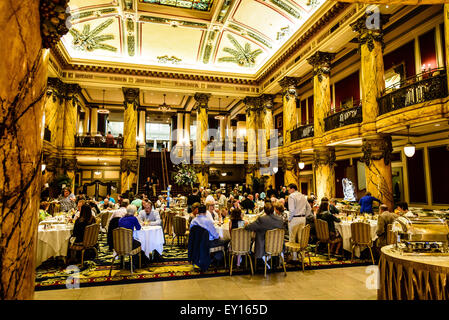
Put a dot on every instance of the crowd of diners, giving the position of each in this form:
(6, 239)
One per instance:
(285, 208)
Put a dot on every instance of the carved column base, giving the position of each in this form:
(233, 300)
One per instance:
(128, 174)
(324, 162)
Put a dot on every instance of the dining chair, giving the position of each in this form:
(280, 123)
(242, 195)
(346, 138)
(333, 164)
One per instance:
(301, 245)
(240, 245)
(123, 246)
(361, 237)
(322, 233)
(104, 222)
(274, 245)
(391, 237)
(90, 240)
(180, 229)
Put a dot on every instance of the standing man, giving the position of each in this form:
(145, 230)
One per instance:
(366, 203)
(298, 208)
(154, 183)
(147, 187)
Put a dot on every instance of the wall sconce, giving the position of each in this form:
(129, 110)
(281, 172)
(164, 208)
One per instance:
(275, 169)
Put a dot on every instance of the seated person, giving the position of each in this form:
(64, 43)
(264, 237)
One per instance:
(67, 200)
(160, 201)
(332, 208)
(147, 214)
(237, 222)
(129, 221)
(105, 204)
(210, 212)
(85, 219)
(280, 211)
(248, 203)
(265, 222)
(334, 236)
(137, 202)
(43, 211)
(120, 212)
(402, 210)
(194, 212)
(385, 218)
(310, 219)
(204, 222)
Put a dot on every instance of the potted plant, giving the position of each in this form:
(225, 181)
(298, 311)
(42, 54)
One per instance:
(184, 176)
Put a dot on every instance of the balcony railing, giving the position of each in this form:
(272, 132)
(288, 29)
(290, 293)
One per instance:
(343, 118)
(88, 141)
(301, 132)
(423, 87)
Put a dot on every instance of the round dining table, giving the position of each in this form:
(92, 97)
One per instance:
(151, 238)
(52, 241)
(344, 228)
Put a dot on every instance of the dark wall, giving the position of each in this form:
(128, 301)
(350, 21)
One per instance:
(405, 54)
(428, 49)
(303, 112)
(439, 173)
(310, 102)
(347, 88)
(416, 177)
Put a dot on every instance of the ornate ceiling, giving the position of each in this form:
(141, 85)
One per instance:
(237, 36)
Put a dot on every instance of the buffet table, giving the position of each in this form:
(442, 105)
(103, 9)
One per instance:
(413, 277)
(52, 242)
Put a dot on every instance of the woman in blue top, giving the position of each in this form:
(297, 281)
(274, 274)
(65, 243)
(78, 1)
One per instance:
(129, 221)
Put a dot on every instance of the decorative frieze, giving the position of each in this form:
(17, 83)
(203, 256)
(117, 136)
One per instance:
(377, 148)
(321, 62)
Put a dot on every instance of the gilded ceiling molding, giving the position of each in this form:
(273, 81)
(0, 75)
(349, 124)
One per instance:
(88, 40)
(131, 97)
(131, 37)
(370, 35)
(321, 62)
(324, 156)
(288, 85)
(54, 21)
(317, 27)
(241, 55)
(202, 100)
(377, 148)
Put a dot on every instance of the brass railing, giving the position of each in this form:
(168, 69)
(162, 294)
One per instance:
(301, 132)
(343, 118)
(100, 141)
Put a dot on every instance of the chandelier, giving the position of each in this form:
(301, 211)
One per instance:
(220, 116)
(164, 107)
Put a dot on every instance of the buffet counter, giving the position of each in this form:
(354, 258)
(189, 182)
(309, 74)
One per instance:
(413, 276)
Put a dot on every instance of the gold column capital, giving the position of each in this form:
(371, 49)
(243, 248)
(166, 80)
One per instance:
(69, 164)
(324, 156)
(62, 90)
(369, 30)
(252, 104)
(202, 168)
(321, 62)
(202, 100)
(377, 147)
(267, 101)
(54, 23)
(289, 85)
(128, 165)
(131, 96)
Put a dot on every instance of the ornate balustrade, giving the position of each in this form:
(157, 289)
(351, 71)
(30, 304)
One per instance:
(343, 118)
(302, 132)
(423, 87)
(88, 141)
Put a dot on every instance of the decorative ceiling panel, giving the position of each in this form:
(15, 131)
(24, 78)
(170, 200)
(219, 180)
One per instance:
(232, 36)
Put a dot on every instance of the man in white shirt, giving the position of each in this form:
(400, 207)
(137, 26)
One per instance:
(298, 208)
(147, 214)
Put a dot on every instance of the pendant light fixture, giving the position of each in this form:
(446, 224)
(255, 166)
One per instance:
(301, 164)
(98, 172)
(409, 148)
(164, 107)
(102, 110)
(220, 116)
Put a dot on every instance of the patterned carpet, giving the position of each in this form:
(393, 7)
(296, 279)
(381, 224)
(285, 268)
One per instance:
(172, 265)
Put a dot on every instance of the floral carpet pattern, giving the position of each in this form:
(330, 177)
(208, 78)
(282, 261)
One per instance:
(172, 265)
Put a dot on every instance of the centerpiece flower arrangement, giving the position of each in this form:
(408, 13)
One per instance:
(185, 175)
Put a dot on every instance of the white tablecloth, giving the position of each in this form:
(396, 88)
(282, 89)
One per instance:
(151, 238)
(52, 242)
(344, 228)
(223, 231)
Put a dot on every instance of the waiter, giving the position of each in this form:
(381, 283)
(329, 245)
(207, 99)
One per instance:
(298, 208)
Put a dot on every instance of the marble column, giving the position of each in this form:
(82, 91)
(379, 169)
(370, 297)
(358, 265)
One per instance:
(180, 128)
(202, 100)
(202, 172)
(290, 168)
(23, 79)
(70, 115)
(251, 170)
(86, 123)
(324, 162)
(142, 132)
(187, 128)
(372, 69)
(252, 107)
(267, 124)
(446, 39)
(321, 62)
(93, 120)
(129, 164)
(377, 151)
(289, 96)
(222, 129)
